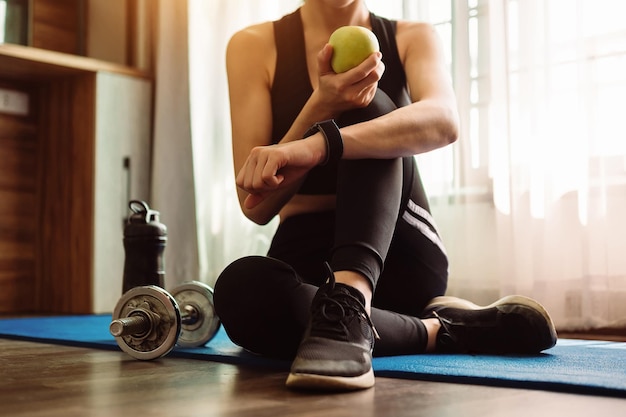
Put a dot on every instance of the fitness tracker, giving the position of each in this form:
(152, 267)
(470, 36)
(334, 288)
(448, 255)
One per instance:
(332, 135)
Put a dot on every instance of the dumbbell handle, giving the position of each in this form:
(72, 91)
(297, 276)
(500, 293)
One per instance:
(140, 324)
(132, 325)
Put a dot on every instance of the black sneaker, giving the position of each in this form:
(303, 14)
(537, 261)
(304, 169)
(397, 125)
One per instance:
(336, 351)
(512, 325)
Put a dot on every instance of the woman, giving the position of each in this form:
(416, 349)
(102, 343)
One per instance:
(356, 257)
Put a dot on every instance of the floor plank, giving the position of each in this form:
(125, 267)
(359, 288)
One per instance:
(44, 380)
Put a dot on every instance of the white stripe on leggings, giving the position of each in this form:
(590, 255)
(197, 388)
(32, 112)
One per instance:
(422, 212)
(424, 228)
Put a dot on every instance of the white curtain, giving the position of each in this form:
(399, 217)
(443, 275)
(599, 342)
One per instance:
(193, 178)
(173, 180)
(556, 230)
(546, 146)
(560, 191)
(224, 234)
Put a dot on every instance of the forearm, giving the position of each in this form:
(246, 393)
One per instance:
(265, 211)
(418, 128)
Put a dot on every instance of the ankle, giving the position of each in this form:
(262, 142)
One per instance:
(358, 281)
(432, 329)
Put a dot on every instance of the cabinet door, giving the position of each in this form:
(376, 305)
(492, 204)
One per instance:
(122, 173)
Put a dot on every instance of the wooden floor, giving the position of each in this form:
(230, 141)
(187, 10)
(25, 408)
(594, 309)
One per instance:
(39, 380)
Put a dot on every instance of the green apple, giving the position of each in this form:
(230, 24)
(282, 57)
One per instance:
(351, 45)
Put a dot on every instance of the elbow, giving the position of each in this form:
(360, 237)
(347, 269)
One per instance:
(260, 220)
(451, 134)
(438, 126)
(257, 215)
(448, 131)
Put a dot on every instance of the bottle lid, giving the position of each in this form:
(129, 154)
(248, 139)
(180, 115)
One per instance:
(143, 221)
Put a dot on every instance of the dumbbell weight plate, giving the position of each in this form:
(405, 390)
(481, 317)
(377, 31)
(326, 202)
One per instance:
(159, 342)
(199, 296)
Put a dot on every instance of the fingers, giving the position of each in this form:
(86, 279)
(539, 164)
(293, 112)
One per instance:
(323, 60)
(351, 89)
(369, 72)
(258, 178)
(259, 172)
(364, 81)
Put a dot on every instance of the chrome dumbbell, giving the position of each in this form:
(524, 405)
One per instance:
(148, 321)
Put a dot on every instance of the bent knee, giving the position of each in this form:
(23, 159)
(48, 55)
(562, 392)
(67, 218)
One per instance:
(251, 300)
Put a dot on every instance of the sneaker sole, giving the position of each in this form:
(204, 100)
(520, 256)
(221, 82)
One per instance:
(454, 302)
(330, 383)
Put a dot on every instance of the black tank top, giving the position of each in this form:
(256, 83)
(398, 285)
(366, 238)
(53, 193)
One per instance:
(292, 88)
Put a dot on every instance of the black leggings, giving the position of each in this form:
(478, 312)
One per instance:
(381, 227)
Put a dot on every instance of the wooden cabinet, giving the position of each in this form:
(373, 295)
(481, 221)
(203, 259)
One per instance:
(70, 167)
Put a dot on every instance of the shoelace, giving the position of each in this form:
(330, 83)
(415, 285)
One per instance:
(331, 311)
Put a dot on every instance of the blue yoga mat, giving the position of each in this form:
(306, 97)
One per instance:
(577, 366)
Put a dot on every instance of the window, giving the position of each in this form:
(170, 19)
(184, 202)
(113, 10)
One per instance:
(574, 60)
(528, 75)
(3, 19)
(14, 21)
